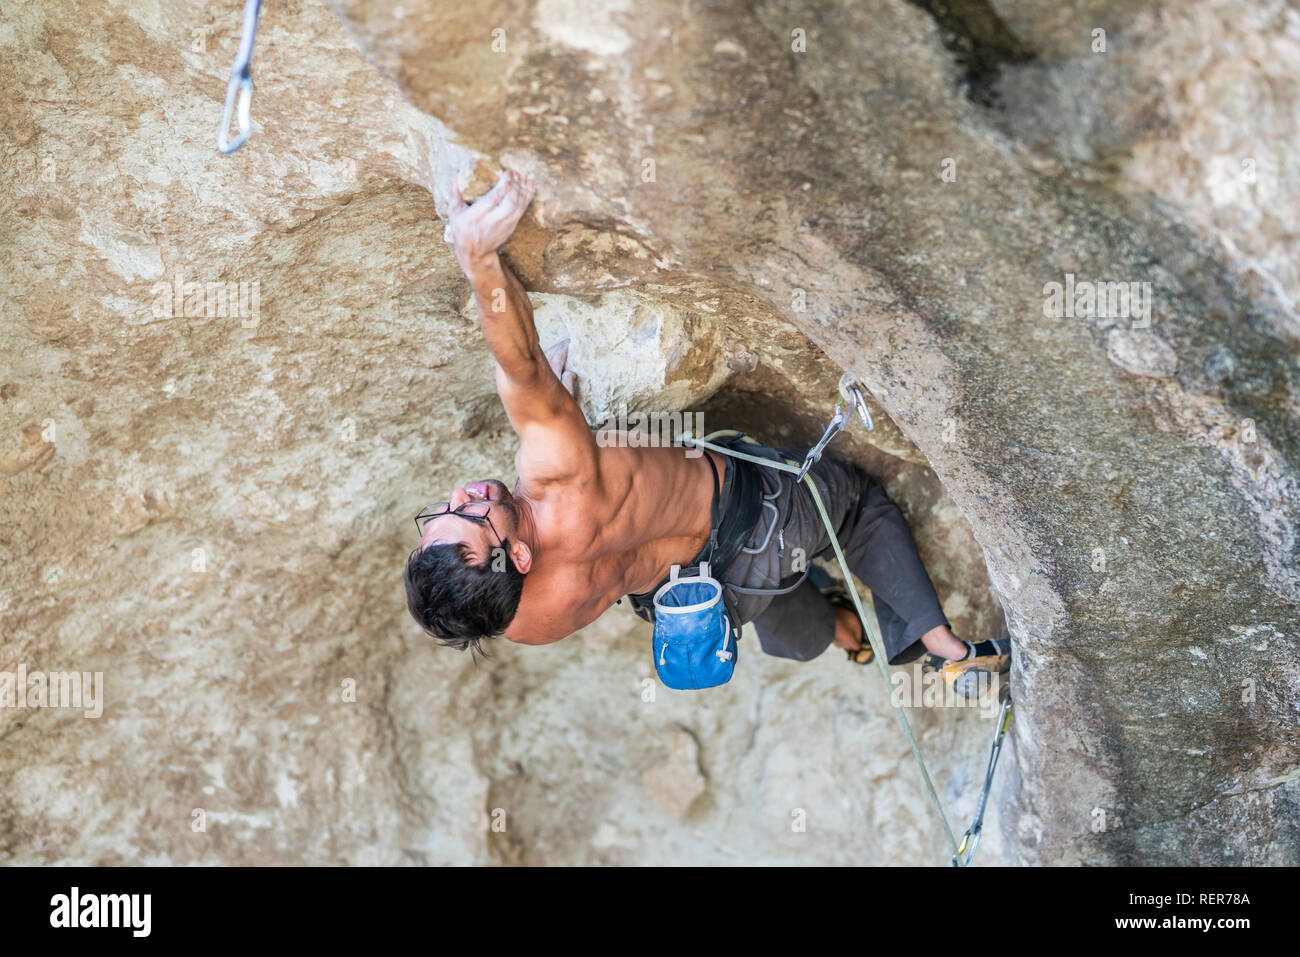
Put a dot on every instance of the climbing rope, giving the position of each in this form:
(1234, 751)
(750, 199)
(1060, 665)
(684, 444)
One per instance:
(850, 395)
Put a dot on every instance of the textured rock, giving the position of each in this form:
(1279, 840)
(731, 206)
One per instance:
(1140, 352)
(674, 781)
(735, 202)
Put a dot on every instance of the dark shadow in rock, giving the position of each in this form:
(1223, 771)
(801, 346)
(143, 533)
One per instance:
(980, 42)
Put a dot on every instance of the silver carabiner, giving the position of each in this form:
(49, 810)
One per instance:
(240, 87)
(851, 392)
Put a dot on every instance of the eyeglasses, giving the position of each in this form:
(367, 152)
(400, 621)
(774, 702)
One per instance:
(476, 512)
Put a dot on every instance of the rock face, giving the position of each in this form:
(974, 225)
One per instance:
(1064, 268)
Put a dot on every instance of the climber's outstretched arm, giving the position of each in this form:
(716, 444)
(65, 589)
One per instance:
(556, 444)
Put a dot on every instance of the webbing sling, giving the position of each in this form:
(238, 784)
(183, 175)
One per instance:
(872, 627)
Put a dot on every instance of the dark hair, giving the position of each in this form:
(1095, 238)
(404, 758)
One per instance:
(458, 603)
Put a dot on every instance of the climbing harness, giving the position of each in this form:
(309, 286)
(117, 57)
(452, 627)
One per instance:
(851, 400)
(240, 87)
(970, 840)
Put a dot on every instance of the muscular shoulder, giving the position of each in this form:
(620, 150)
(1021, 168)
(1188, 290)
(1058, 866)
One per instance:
(554, 606)
(573, 511)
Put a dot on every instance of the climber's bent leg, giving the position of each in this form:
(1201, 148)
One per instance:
(799, 625)
(880, 550)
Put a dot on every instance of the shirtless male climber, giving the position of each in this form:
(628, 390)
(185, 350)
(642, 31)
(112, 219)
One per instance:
(588, 522)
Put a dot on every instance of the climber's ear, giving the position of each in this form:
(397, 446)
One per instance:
(521, 556)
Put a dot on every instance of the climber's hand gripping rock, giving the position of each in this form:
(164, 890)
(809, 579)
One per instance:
(477, 230)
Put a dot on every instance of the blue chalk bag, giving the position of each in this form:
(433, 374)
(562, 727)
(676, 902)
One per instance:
(694, 638)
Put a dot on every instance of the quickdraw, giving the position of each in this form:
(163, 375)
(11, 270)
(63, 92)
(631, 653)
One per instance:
(970, 840)
(240, 87)
(850, 394)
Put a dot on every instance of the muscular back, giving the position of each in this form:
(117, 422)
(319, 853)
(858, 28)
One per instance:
(648, 510)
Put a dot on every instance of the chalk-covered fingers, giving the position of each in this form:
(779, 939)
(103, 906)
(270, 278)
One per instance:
(478, 229)
(508, 208)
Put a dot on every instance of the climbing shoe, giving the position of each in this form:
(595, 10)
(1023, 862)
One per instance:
(969, 676)
(863, 655)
